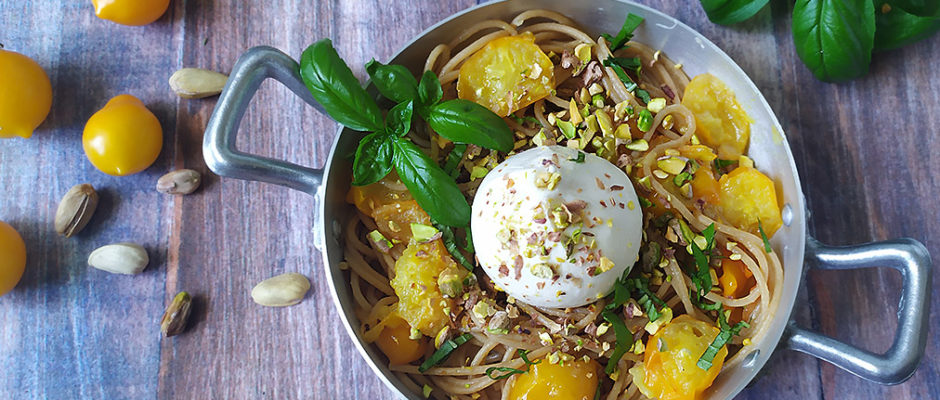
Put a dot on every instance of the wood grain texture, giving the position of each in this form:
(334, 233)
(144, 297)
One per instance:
(867, 152)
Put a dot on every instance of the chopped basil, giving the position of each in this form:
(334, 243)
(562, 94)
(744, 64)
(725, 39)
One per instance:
(682, 178)
(763, 236)
(626, 32)
(701, 276)
(580, 158)
(630, 85)
(444, 351)
(450, 243)
(645, 202)
(511, 371)
(624, 340)
(720, 164)
(707, 359)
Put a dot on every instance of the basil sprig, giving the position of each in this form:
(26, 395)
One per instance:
(700, 274)
(333, 85)
(444, 351)
(726, 12)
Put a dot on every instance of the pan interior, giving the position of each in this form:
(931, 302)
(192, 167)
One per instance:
(768, 149)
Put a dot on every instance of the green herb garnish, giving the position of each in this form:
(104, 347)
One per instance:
(626, 32)
(706, 360)
(644, 121)
(333, 85)
(628, 63)
(682, 178)
(701, 276)
(630, 85)
(511, 371)
(450, 243)
(580, 158)
(624, 340)
(444, 351)
(760, 228)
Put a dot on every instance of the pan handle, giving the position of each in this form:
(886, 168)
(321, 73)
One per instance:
(218, 146)
(900, 361)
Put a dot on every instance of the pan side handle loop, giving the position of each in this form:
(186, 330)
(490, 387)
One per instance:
(218, 146)
(911, 258)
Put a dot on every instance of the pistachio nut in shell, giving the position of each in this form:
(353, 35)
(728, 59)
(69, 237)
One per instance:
(176, 315)
(196, 83)
(75, 209)
(181, 181)
(120, 258)
(281, 291)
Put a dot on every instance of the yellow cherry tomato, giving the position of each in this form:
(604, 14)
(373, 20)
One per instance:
(395, 341)
(25, 95)
(748, 199)
(721, 122)
(123, 138)
(130, 12)
(574, 380)
(12, 257)
(507, 74)
(669, 370)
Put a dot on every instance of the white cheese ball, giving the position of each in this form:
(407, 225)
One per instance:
(554, 232)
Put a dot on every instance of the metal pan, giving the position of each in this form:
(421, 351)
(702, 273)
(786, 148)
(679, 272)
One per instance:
(768, 148)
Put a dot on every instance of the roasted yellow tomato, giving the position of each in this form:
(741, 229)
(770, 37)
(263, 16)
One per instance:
(704, 186)
(507, 74)
(669, 370)
(130, 12)
(573, 380)
(123, 138)
(395, 342)
(721, 122)
(25, 95)
(735, 279)
(12, 257)
(387, 190)
(748, 196)
(394, 220)
(420, 301)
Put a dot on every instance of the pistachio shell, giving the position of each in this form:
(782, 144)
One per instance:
(75, 209)
(177, 313)
(120, 258)
(196, 83)
(281, 291)
(181, 181)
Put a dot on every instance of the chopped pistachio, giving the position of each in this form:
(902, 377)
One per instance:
(597, 100)
(574, 144)
(604, 122)
(426, 391)
(423, 233)
(605, 265)
(686, 190)
(695, 140)
(575, 115)
(671, 164)
(443, 335)
(595, 89)
(567, 128)
(653, 326)
(700, 241)
(668, 122)
(645, 182)
(638, 347)
(603, 328)
(542, 271)
(539, 138)
(660, 174)
(379, 239)
(482, 309)
(478, 172)
(623, 132)
(656, 105)
(450, 282)
(735, 256)
(620, 111)
(671, 152)
(546, 339)
(638, 145)
(551, 119)
(584, 96)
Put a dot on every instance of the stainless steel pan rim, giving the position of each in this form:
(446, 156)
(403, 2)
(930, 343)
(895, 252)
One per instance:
(769, 149)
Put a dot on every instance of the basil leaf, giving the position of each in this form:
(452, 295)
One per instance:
(398, 120)
(373, 159)
(429, 93)
(727, 12)
(707, 359)
(630, 85)
(464, 121)
(434, 191)
(897, 28)
(450, 243)
(626, 32)
(395, 82)
(920, 8)
(628, 63)
(624, 340)
(335, 87)
(834, 38)
(763, 236)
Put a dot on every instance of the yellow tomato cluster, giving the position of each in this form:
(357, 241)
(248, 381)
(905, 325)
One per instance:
(130, 12)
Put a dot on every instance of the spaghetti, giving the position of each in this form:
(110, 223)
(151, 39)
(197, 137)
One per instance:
(575, 332)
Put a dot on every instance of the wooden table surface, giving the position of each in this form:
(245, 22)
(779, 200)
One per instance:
(867, 152)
